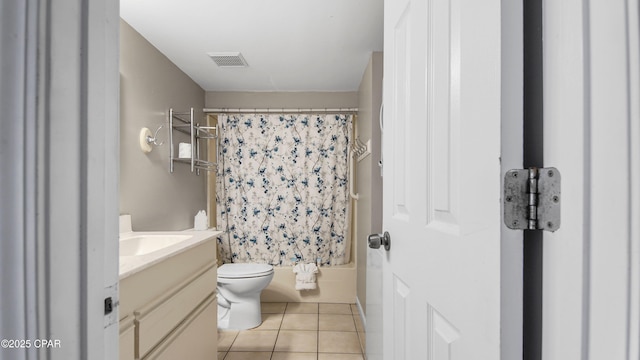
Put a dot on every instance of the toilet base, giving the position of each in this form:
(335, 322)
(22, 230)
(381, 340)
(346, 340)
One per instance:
(240, 315)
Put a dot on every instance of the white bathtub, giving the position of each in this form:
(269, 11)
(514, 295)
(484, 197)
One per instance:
(336, 284)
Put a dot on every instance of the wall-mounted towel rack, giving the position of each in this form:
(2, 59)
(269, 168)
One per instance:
(361, 150)
(351, 161)
(184, 122)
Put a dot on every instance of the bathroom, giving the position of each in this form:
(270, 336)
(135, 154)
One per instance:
(59, 152)
(160, 200)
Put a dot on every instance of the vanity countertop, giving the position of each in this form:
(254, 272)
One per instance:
(130, 265)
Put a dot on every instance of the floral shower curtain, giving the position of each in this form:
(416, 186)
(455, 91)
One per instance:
(282, 191)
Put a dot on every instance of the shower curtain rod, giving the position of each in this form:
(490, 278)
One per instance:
(280, 111)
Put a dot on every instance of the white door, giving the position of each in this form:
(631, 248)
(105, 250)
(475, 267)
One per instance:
(591, 275)
(444, 81)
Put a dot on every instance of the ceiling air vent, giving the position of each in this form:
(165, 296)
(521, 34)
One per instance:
(228, 59)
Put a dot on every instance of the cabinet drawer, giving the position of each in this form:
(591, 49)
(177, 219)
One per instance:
(195, 339)
(159, 319)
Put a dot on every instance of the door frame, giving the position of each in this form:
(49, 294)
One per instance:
(61, 192)
(511, 157)
(591, 271)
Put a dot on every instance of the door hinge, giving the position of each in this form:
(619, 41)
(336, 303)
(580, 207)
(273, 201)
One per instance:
(532, 199)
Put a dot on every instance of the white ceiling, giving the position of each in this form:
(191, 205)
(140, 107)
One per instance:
(290, 45)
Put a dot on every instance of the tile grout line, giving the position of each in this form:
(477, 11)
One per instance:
(277, 336)
(232, 342)
(355, 323)
(318, 334)
(279, 329)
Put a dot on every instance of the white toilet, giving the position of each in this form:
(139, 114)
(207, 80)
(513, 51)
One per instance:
(239, 288)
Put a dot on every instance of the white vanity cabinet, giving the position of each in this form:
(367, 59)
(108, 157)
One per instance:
(168, 310)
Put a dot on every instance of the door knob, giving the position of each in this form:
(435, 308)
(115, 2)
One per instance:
(375, 240)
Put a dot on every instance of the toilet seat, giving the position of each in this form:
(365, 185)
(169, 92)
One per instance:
(244, 270)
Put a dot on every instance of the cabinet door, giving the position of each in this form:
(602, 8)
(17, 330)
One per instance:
(127, 339)
(196, 339)
(158, 320)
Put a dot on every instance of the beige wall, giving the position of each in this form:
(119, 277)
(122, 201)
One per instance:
(369, 181)
(293, 100)
(150, 84)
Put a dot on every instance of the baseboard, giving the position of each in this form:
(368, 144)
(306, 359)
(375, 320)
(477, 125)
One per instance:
(363, 317)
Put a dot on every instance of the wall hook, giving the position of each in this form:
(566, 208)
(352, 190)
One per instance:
(146, 140)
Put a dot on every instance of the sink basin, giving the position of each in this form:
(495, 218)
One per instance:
(145, 244)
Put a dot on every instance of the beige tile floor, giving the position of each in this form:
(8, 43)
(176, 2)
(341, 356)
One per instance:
(298, 331)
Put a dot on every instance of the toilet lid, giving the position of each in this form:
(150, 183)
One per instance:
(242, 270)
